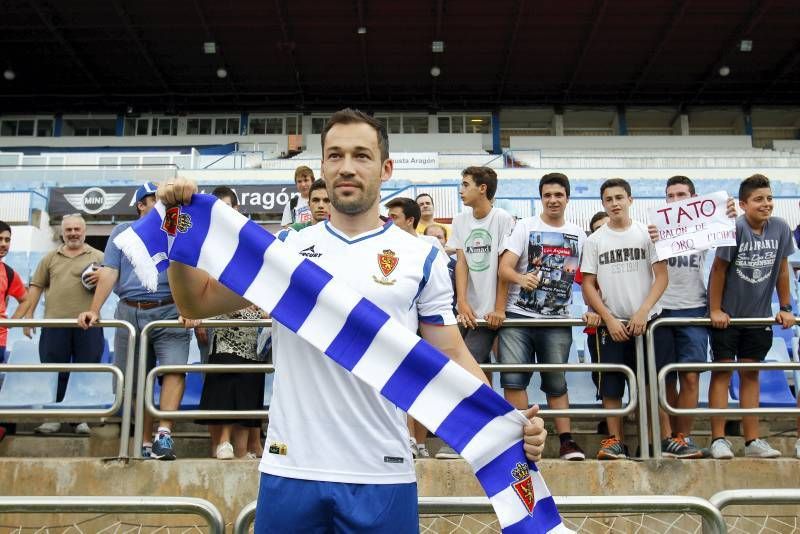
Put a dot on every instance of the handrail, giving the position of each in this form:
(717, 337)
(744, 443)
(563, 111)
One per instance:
(655, 393)
(202, 368)
(144, 339)
(65, 413)
(761, 497)
(127, 400)
(101, 504)
(713, 522)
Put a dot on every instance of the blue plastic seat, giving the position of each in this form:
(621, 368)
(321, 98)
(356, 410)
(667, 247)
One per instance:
(28, 390)
(86, 390)
(193, 388)
(773, 386)
(23, 351)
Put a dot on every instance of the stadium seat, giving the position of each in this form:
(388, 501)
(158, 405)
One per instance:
(87, 390)
(774, 388)
(191, 393)
(28, 390)
(23, 351)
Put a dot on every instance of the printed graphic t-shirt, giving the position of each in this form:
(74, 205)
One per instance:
(622, 261)
(753, 267)
(686, 288)
(555, 253)
(302, 213)
(481, 240)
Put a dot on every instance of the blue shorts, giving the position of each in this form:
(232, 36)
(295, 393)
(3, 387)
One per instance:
(309, 506)
(525, 344)
(681, 344)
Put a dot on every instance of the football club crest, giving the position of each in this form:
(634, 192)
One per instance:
(387, 261)
(523, 486)
(175, 221)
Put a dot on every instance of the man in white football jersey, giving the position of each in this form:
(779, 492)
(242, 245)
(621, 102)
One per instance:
(343, 464)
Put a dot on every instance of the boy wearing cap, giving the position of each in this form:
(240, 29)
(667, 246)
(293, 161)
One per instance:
(170, 346)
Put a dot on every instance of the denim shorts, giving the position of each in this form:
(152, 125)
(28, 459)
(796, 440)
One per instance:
(681, 344)
(523, 345)
(479, 341)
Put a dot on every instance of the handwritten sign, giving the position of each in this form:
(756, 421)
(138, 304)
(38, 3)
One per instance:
(692, 225)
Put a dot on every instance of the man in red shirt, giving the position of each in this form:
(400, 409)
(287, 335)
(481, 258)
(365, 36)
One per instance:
(10, 286)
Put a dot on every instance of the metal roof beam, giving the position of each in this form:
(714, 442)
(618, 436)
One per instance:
(289, 46)
(597, 16)
(140, 46)
(510, 43)
(220, 49)
(65, 44)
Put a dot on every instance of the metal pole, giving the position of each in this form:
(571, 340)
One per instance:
(644, 445)
(652, 392)
(100, 504)
(763, 497)
(127, 403)
(245, 518)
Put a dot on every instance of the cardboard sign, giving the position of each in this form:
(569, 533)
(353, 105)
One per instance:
(692, 225)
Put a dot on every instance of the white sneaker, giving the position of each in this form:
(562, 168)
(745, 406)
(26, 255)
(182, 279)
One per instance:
(225, 451)
(446, 452)
(721, 449)
(83, 428)
(759, 448)
(422, 451)
(47, 428)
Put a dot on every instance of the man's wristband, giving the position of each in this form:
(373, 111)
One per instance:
(787, 308)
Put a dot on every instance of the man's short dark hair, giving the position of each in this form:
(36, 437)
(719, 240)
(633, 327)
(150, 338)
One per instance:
(424, 195)
(681, 180)
(750, 184)
(410, 208)
(615, 182)
(224, 191)
(354, 116)
(4, 227)
(554, 178)
(303, 171)
(319, 183)
(483, 176)
(600, 215)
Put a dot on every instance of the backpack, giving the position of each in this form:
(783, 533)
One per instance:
(292, 206)
(9, 278)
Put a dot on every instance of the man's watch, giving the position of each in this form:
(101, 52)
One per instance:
(787, 308)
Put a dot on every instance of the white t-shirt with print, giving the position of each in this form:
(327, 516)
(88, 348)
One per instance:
(481, 241)
(334, 427)
(302, 213)
(622, 261)
(553, 251)
(686, 288)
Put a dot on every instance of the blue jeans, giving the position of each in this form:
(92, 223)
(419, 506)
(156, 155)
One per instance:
(70, 345)
(524, 344)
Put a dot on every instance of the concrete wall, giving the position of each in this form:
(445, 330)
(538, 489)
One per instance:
(421, 143)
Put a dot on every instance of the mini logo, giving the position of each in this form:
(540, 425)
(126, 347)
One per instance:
(523, 486)
(93, 200)
(387, 261)
(175, 221)
(310, 252)
(278, 448)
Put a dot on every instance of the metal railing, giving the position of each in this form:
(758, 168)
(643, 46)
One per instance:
(101, 504)
(763, 497)
(142, 379)
(713, 522)
(657, 392)
(126, 384)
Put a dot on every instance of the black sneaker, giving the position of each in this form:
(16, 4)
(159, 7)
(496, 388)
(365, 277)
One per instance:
(571, 451)
(163, 448)
(677, 447)
(612, 449)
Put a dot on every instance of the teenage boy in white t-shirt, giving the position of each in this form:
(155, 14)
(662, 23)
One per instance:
(477, 238)
(539, 262)
(622, 281)
(297, 210)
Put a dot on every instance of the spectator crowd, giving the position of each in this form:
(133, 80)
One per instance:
(501, 269)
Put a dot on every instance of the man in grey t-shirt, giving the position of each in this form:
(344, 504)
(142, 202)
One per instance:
(741, 284)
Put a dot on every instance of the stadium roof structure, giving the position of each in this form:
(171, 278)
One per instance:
(305, 55)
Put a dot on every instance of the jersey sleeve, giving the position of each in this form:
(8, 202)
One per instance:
(15, 287)
(589, 261)
(435, 302)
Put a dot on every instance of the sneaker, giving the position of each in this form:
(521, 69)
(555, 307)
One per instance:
(225, 451)
(47, 428)
(704, 450)
(447, 453)
(612, 449)
(797, 448)
(83, 428)
(251, 456)
(162, 448)
(759, 448)
(147, 452)
(677, 447)
(721, 449)
(422, 452)
(571, 451)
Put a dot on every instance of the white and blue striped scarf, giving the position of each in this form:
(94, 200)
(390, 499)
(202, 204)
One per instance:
(359, 336)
